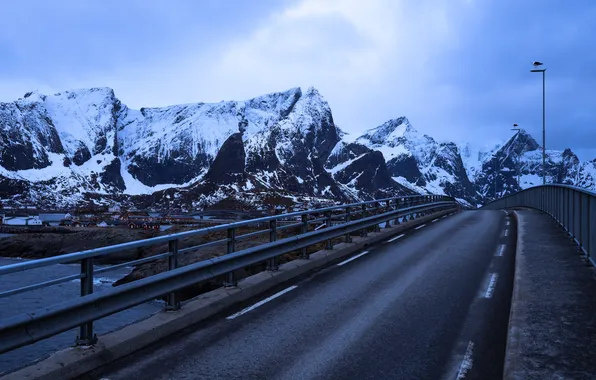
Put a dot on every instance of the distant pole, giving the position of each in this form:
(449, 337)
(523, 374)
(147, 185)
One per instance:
(543, 71)
(544, 127)
(496, 175)
(518, 168)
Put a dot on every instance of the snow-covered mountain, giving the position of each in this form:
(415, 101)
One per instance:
(74, 146)
(517, 164)
(417, 161)
(85, 146)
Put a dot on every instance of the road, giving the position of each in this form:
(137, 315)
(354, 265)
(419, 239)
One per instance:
(431, 304)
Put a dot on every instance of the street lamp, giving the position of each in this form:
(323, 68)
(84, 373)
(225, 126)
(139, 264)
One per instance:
(497, 170)
(543, 71)
(518, 158)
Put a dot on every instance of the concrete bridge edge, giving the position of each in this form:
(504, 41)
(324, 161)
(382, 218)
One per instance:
(511, 365)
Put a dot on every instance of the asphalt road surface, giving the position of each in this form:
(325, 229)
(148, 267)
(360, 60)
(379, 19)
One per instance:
(431, 304)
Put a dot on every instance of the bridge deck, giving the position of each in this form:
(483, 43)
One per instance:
(553, 320)
(430, 305)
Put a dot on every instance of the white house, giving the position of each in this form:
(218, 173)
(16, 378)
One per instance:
(23, 221)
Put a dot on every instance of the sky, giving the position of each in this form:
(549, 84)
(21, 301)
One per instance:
(458, 69)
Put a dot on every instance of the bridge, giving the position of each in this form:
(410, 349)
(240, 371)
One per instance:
(399, 288)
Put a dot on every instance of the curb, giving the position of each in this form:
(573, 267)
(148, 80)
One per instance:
(514, 335)
(76, 361)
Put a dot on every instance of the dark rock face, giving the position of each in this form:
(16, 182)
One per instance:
(405, 165)
(228, 166)
(178, 168)
(369, 173)
(81, 156)
(111, 176)
(346, 153)
(449, 159)
(27, 135)
(363, 171)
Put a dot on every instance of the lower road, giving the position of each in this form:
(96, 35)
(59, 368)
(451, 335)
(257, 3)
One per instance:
(431, 303)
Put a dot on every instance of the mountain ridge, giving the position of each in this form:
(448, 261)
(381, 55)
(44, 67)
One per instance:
(85, 146)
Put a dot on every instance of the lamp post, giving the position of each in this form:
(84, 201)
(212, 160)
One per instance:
(518, 163)
(543, 71)
(497, 170)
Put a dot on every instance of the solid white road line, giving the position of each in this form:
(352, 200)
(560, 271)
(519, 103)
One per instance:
(500, 251)
(352, 258)
(261, 303)
(419, 227)
(491, 285)
(395, 238)
(466, 364)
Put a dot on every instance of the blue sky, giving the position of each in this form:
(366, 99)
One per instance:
(458, 69)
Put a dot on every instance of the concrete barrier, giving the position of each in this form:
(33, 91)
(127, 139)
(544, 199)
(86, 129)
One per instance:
(515, 313)
(76, 361)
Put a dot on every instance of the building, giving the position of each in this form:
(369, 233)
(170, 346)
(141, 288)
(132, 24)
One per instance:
(107, 223)
(32, 221)
(52, 219)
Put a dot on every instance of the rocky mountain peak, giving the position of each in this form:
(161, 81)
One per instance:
(518, 144)
(390, 131)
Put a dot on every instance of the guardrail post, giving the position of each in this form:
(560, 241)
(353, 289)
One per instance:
(388, 222)
(348, 236)
(231, 248)
(363, 231)
(589, 229)
(581, 223)
(396, 220)
(272, 262)
(304, 229)
(328, 242)
(171, 301)
(86, 336)
(377, 211)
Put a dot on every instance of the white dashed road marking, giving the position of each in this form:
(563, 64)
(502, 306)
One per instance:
(352, 258)
(500, 251)
(491, 286)
(261, 303)
(419, 227)
(395, 238)
(466, 364)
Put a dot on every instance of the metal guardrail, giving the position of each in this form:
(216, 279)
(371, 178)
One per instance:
(341, 221)
(572, 207)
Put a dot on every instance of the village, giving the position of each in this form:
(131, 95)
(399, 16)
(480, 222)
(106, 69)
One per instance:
(113, 217)
(24, 218)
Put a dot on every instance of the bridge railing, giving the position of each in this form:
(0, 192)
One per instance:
(572, 207)
(340, 222)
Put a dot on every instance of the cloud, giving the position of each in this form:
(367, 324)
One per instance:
(458, 69)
